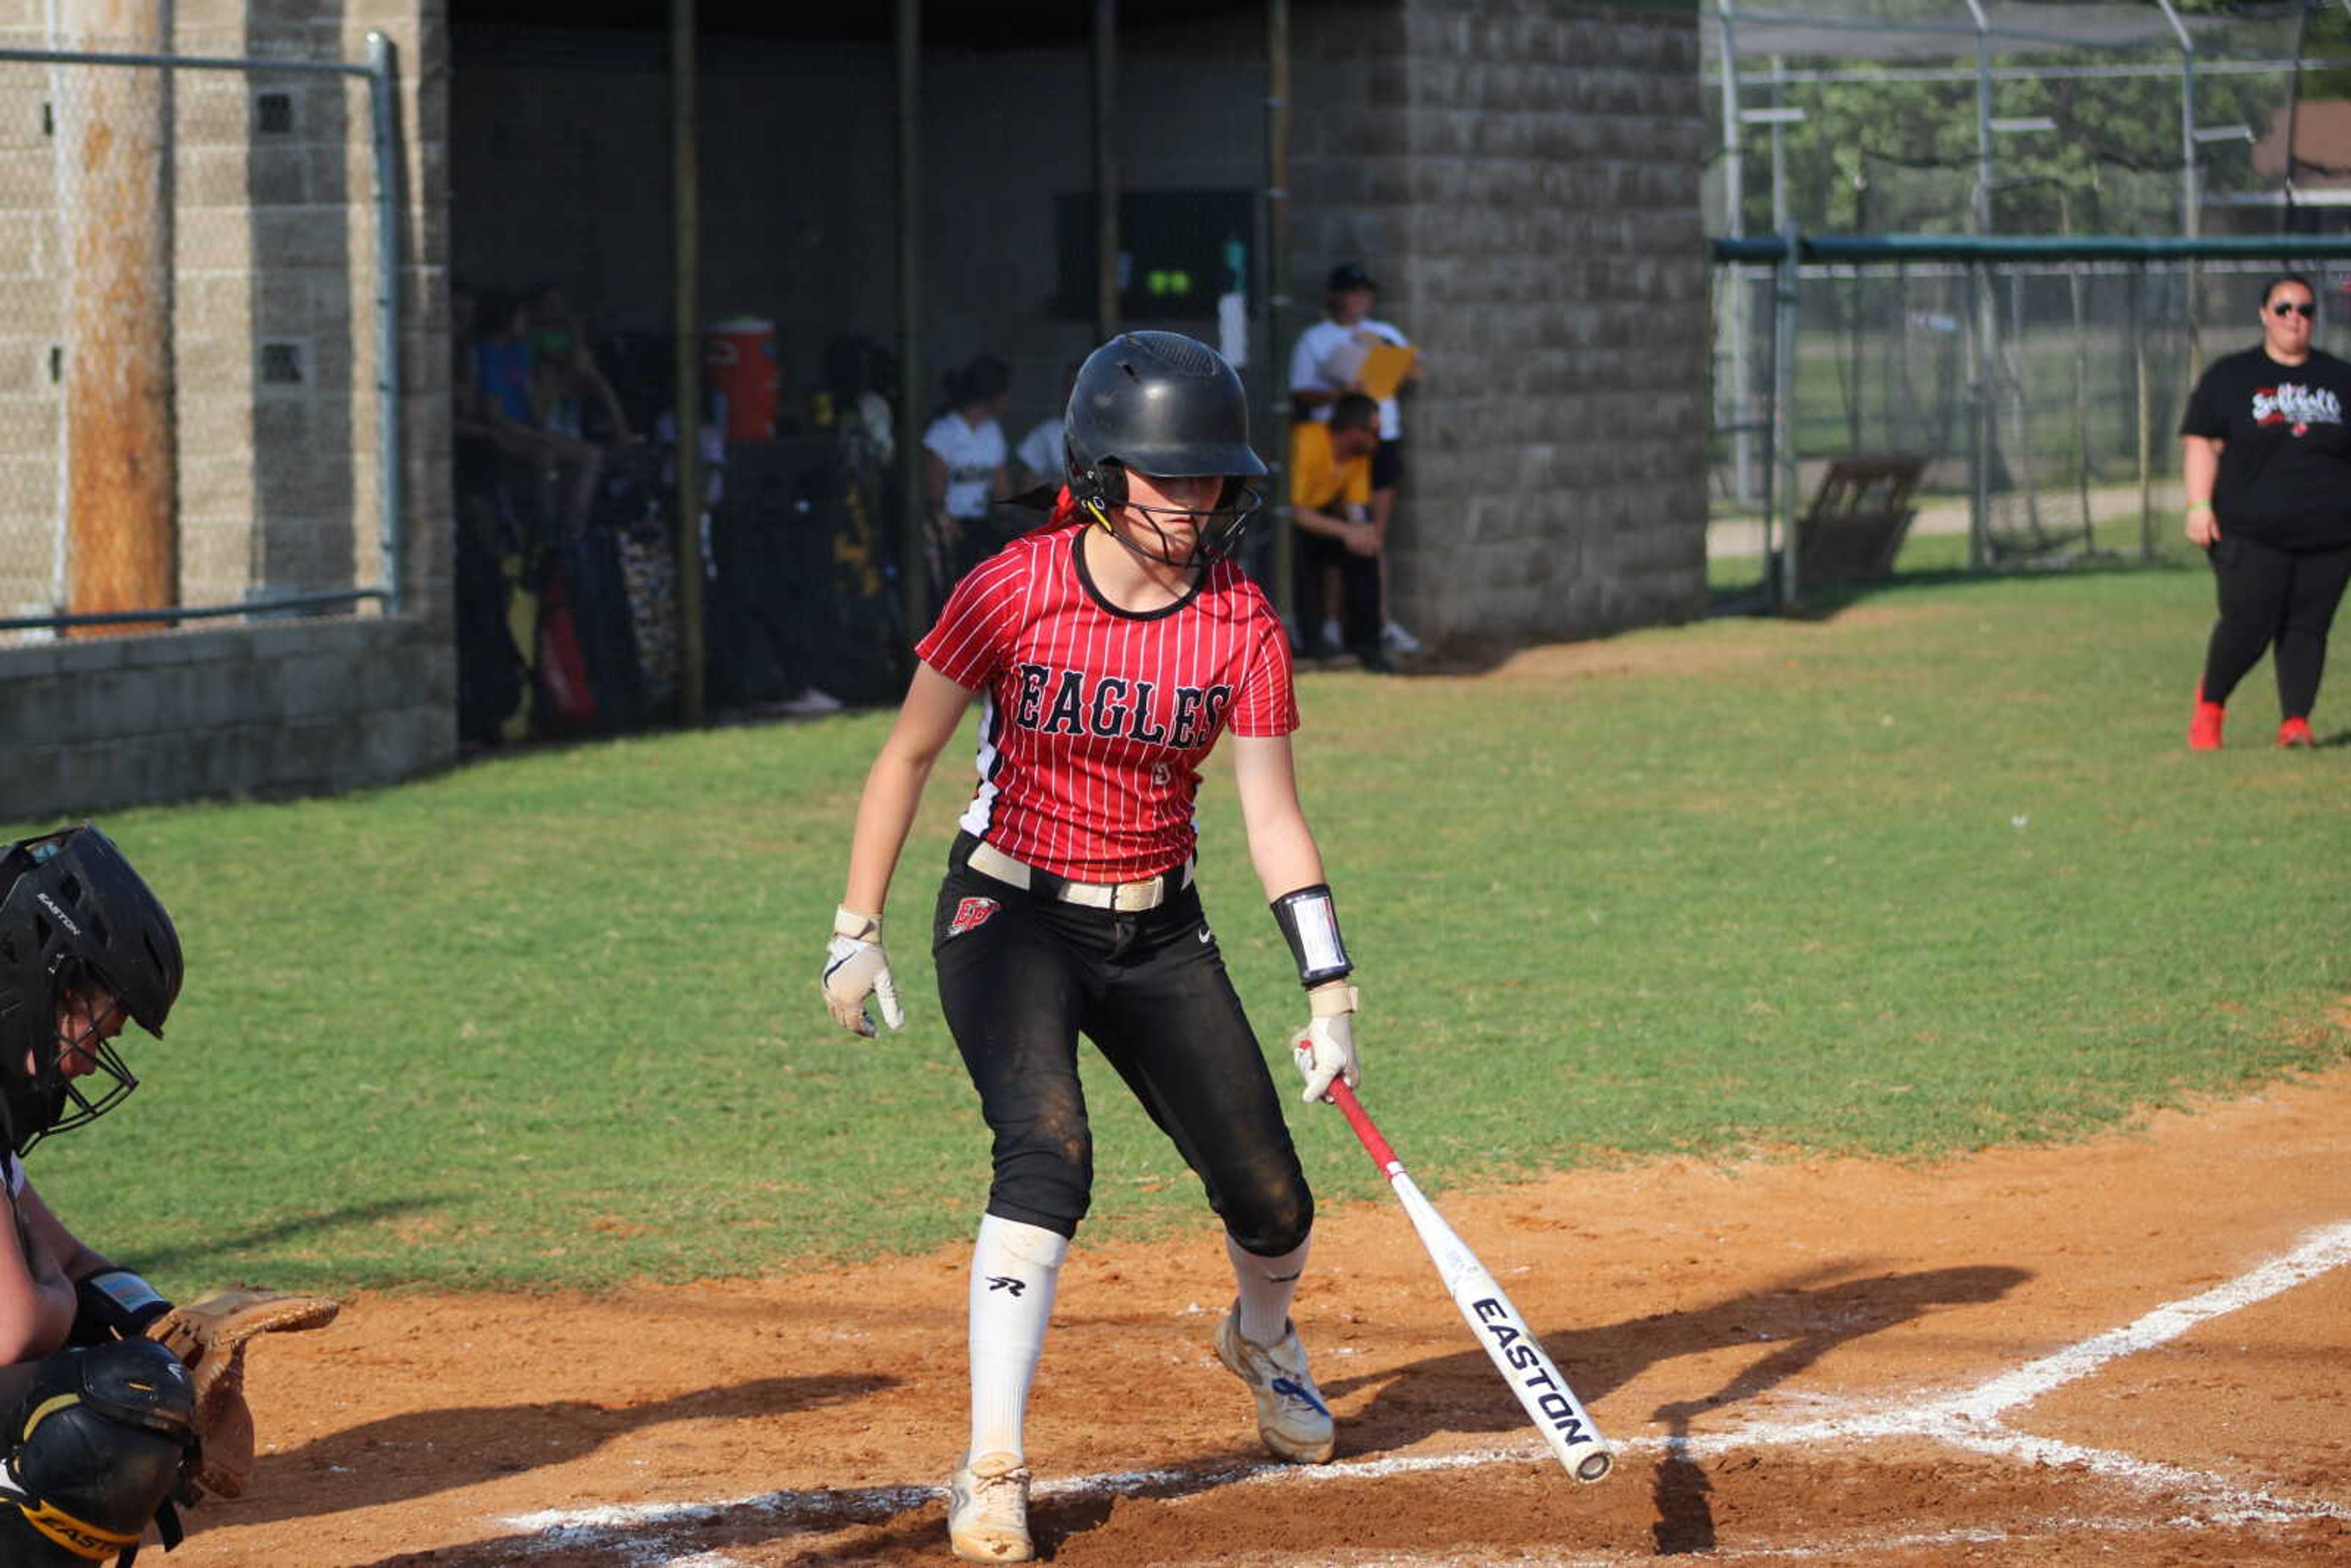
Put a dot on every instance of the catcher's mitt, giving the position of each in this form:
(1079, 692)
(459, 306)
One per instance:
(209, 1335)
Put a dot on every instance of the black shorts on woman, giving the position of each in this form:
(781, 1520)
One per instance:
(1023, 972)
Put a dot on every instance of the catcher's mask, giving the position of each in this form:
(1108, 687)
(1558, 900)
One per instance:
(1162, 404)
(75, 917)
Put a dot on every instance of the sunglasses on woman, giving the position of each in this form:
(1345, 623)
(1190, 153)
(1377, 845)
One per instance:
(2294, 308)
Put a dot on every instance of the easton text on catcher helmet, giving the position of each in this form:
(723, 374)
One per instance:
(1169, 406)
(74, 915)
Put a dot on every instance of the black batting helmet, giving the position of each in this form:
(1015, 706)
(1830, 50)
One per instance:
(1167, 406)
(74, 915)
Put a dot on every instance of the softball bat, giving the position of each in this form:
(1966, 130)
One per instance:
(1510, 1344)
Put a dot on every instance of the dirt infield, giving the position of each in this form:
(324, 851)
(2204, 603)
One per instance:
(2138, 1350)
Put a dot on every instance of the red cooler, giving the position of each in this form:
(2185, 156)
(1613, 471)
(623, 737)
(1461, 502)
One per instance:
(738, 361)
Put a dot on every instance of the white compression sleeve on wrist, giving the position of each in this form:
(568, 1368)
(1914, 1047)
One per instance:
(1266, 1287)
(1014, 1270)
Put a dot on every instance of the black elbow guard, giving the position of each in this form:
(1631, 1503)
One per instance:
(1310, 922)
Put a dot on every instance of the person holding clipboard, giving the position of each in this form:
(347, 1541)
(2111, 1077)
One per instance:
(1350, 351)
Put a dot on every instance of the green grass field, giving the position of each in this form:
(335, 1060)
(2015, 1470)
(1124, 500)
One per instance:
(1930, 873)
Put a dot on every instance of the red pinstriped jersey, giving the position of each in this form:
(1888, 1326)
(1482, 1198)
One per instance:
(1094, 720)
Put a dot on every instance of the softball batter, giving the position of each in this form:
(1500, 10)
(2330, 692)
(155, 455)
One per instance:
(1110, 650)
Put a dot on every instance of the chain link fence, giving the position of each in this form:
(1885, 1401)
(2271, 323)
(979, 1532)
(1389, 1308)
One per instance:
(2024, 117)
(2042, 397)
(197, 296)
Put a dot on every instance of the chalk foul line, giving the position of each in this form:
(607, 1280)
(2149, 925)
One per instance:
(2322, 1250)
(646, 1532)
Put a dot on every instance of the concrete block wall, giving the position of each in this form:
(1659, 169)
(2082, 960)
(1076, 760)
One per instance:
(278, 490)
(1522, 176)
(288, 708)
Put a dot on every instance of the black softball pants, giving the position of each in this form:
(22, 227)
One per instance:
(1022, 974)
(2271, 596)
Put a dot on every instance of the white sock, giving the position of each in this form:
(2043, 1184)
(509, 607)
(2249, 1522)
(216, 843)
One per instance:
(1267, 1285)
(1014, 1270)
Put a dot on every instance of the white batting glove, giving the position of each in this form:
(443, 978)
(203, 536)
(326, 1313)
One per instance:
(855, 967)
(1325, 1048)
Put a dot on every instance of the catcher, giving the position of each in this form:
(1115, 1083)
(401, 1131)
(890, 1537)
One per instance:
(114, 1405)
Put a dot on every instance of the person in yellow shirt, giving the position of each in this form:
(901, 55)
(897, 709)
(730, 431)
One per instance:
(1335, 546)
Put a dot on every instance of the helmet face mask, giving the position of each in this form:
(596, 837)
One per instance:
(84, 942)
(1216, 531)
(1160, 404)
(82, 1032)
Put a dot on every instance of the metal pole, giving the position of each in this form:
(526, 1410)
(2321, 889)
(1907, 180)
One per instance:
(1276, 293)
(1106, 134)
(2146, 414)
(2080, 400)
(2039, 70)
(2292, 120)
(685, 316)
(2189, 173)
(121, 446)
(913, 509)
(1734, 221)
(1783, 417)
(383, 106)
(1982, 206)
(1779, 149)
(1986, 310)
(1980, 344)
(2191, 196)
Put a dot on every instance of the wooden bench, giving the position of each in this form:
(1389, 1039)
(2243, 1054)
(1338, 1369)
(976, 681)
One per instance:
(1856, 522)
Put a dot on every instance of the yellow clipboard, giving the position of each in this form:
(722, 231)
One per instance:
(1384, 369)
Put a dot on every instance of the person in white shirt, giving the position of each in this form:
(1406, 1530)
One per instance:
(964, 468)
(1323, 368)
(1042, 452)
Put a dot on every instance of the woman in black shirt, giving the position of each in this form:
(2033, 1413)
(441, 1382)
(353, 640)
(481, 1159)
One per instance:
(2266, 464)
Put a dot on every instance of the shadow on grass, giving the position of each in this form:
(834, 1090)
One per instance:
(1800, 1318)
(1825, 601)
(1473, 656)
(161, 1259)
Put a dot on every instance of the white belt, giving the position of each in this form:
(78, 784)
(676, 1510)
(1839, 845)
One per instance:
(1127, 897)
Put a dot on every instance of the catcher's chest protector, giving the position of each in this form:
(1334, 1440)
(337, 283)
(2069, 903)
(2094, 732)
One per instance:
(97, 1449)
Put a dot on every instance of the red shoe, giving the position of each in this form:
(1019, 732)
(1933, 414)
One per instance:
(2296, 732)
(2204, 729)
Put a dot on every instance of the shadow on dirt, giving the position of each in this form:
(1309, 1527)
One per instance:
(408, 1456)
(1800, 1318)
(1794, 1323)
(909, 1524)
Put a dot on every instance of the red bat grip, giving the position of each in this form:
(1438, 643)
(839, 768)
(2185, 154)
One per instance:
(1360, 1119)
